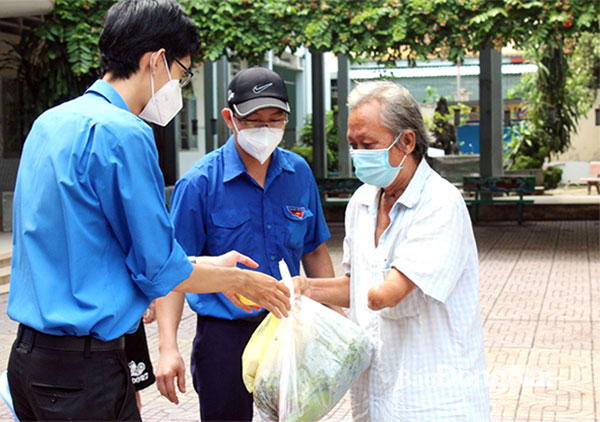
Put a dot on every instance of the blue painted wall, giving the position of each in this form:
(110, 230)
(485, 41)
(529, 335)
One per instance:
(468, 138)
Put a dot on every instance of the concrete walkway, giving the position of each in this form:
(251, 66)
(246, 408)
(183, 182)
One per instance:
(540, 303)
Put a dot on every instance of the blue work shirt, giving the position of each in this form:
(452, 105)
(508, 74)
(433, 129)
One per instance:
(92, 240)
(218, 207)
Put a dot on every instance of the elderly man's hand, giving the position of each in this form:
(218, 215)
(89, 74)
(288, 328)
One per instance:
(390, 291)
(301, 286)
(384, 295)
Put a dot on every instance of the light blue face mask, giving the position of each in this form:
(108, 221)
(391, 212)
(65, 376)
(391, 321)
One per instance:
(373, 165)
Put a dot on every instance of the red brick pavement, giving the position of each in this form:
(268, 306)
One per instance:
(540, 304)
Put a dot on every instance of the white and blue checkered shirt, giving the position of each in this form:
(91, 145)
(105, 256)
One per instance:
(430, 360)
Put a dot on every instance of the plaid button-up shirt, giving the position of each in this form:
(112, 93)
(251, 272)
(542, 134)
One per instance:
(430, 360)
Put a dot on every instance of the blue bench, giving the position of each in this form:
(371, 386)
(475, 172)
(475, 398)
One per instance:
(337, 191)
(491, 191)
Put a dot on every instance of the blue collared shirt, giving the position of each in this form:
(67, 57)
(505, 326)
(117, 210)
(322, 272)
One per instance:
(218, 207)
(92, 241)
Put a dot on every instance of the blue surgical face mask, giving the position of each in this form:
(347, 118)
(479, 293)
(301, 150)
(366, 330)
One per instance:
(373, 165)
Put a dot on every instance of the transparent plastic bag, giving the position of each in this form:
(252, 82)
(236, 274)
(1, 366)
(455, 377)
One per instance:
(299, 368)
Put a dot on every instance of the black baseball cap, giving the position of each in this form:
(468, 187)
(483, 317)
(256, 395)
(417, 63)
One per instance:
(256, 88)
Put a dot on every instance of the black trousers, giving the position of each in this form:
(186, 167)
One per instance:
(87, 385)
(217, 368)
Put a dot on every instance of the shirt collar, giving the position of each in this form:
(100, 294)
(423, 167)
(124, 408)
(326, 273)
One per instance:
(411, 194)
(369, 195)
(106, 90)
(233, 165)
(280, 162)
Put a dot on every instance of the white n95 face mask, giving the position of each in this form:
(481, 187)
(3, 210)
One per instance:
(164, 103)
(259, 142)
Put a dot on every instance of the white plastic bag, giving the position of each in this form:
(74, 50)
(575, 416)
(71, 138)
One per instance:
(310, 363)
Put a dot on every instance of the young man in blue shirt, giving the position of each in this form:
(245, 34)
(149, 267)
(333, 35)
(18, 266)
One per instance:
(258, 199)
(92, 241)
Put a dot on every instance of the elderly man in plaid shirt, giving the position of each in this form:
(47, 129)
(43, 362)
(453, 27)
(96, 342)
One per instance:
(411, 275)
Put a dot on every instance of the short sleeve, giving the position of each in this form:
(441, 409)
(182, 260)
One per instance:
(434, 252)
(348, 240)
(187, 214)
(317, 231)
(130, 188)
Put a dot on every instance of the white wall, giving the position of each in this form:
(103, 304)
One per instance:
(19, 8)
(188, 157)
(198, 87)
(187, 160)
(585, 144)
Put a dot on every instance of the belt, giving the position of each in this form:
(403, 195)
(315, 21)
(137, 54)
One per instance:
(254, 318)
(250, 318)
(34, 338)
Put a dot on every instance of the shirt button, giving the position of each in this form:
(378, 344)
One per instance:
(268, 227)
(272, 258)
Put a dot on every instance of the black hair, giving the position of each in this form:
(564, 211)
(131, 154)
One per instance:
(134, 27)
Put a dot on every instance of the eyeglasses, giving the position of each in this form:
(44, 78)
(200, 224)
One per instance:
(255, 124)
(187, 75)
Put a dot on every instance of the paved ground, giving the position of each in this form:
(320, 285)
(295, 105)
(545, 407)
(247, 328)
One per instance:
(572, 194)
(5, 242)
(540, 297)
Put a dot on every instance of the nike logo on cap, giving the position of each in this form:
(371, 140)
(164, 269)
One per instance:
(258, 89)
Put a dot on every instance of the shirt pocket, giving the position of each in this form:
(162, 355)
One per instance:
(296, 223)
(228, 229)
(409, 307)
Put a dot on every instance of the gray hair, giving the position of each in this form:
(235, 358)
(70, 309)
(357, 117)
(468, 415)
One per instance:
(399, 110)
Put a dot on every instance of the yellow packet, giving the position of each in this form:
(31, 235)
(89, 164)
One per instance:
(246, 301)
(257, 348)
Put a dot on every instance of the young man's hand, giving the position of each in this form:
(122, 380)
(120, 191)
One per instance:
(264, 290)
(170, 368)
(231, 259)
(242, 303)
(150, 313)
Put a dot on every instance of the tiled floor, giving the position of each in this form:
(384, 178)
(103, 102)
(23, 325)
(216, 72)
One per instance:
(540, 303)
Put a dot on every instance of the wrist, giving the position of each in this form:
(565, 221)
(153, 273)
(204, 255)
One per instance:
(202, 260)
(308, 290)
(168, 346)
(234, 278)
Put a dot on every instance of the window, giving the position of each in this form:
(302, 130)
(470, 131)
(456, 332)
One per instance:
(189, 125)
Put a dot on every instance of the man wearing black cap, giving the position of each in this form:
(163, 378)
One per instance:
(255, 198)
